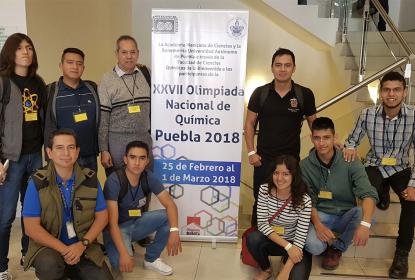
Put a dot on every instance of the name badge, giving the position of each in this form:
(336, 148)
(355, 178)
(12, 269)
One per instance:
(30, 117)
(325, 195)
(278, 230)
(133, 109)
(388, 161)
(134, 213)
(80, 117)
(70, 230)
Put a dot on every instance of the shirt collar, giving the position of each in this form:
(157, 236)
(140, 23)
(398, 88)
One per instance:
(62, 85)
(68, 182)
(121, 72)
(403, 112)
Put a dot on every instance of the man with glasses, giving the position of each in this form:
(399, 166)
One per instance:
(124, 94)
(279, 107)
(390, 129)
(334, 185)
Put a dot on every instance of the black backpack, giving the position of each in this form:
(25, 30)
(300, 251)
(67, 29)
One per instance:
(264, 91)
(143, 182)
(5, 99)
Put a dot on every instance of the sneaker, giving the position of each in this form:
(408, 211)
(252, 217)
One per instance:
(332, 258)
(159, 266)
(22, 260)
(5, 275)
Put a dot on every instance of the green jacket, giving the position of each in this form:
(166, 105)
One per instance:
(83, 209)
(346, 181)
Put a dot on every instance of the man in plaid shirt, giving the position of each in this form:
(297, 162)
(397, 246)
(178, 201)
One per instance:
(390, 129)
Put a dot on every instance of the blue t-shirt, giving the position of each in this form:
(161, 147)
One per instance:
(32, 207)
(68, 102)
(134, 198)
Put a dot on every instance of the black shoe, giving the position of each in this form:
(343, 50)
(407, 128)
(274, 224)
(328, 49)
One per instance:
(384, 199)
(399, 267)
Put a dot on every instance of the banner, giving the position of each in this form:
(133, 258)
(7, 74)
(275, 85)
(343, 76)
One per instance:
(198, 75)
(12, 18)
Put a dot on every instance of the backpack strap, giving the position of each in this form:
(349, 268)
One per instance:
(5, 99)
(263, 92)
(299, 94)
(146, 73)
(122, 178)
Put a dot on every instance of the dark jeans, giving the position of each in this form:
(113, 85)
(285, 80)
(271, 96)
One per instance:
(398, 182)
(382, 23)
(88, 162)
(261, 247)
(15, 184)
(261, 174)
(50, 265)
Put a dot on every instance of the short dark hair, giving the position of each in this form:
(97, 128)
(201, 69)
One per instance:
(62, 131)
(72, 50)
(393, 76)
(322, 123)
(125, 38)
(8, 55)
(136, 144)
(280, 52)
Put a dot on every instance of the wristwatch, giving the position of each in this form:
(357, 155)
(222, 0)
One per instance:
(85, 242)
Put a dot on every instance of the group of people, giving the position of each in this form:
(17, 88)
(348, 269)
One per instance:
(302, 208)
(64, 206)
(325, 202)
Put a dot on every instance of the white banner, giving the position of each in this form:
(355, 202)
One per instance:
(198, 75)
(12, 18)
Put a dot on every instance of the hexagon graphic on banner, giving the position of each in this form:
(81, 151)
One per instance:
(231, 225)
(209, 195)
(176, 191)
(205, 218)
(217, 227)
(168, 151)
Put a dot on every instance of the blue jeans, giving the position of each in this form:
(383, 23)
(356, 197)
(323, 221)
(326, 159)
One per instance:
(88, 162)
(16, 182)
(135, 230)
(345, 225)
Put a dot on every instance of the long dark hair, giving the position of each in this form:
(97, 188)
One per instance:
(8, 55)
(298, 187)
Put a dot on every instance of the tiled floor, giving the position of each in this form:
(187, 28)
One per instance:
(199, 261)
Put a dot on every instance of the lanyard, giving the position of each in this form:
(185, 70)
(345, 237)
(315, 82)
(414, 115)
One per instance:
(66, 207)
(323, 175)
(389, 144)
(134, 79)
(133, 196)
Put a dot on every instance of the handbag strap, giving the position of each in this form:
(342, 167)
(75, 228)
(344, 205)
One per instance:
(280, 210)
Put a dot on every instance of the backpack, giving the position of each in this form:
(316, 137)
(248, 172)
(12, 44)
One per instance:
(122, 178)
(264, 92)
(5, 99)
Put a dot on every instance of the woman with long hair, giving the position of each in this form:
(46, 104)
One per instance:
(285, 234)
(22, 95)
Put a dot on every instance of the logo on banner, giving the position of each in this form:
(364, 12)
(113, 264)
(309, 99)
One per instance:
(237, 28)
(165, 24)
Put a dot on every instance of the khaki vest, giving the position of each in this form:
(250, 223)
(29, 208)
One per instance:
(83, 209)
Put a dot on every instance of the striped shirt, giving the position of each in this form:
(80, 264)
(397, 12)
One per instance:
(389, 138)
(295, 222)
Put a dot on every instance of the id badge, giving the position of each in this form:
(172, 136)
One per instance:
(278, 230)
(80, 117)
(325, 195)
(134, 212)
(70, 230)
(389, 161)
(30, 117)
(133, 109)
